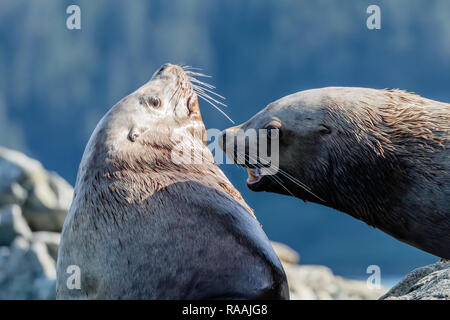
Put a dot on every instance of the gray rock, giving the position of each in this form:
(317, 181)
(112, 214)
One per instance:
(285, 253)
(12, 224)
(48, 201)
(15, 166)
(10, 175)
(309, 282)
(13, 193)
(4, 255)
(431, 282)
(27, 271)
(44, 288)
(50, 239)
(62, 189)
(45, 197)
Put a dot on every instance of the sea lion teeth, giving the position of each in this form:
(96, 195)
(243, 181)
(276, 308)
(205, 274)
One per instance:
(254, 175)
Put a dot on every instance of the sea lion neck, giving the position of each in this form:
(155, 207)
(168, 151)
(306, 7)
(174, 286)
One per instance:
(382, 150)
(348, 185)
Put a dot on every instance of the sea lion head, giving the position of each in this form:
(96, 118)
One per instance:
(168, 100)
(170, 93)
(296, 131)
(336, 145)
(148, 123)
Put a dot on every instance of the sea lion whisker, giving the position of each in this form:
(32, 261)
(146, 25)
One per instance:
(179, 96)
(207, 85)
(187, 68)
(202, 89)
(197, 74)
(284, 173)
(273, 177)
(175, 92)
(220, 110)
(204, 94)
(292, 178)
(288, 176)
(210, 98)
(210, 91)
(300, 184)
(279, 181)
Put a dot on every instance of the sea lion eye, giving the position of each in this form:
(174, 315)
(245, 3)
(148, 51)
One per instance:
(272, 132)
(154, 101)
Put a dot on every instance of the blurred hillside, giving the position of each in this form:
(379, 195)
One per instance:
(55, 84)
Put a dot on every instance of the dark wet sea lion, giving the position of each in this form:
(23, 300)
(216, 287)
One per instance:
(381, 156)
(143, 227)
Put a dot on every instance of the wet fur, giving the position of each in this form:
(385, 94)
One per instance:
(385, 161)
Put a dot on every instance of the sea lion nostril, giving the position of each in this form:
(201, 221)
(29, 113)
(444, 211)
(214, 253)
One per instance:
(160, 70)
(163, 67)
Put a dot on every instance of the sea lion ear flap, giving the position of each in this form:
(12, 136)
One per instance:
(323, 129)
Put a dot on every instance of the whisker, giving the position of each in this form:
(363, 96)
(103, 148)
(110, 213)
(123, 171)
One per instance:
(207, 90)
(299, 183)
(288, 176)
(180, 92)
(207, 85)
(220, 110)
(278, 180)
(293, 179)
(174, 92)
(204, 94)
(190, 68)
(198, 74)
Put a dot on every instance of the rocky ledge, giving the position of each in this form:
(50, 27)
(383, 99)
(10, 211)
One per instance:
(431, 282)
(312, 282)
(34, 204)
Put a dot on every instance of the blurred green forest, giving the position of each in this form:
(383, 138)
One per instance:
(55, 84)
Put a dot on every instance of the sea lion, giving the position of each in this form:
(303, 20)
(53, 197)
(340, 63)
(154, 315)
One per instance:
(381, 156)
(144, 227)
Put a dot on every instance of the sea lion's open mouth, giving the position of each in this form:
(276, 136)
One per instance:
(255, 176)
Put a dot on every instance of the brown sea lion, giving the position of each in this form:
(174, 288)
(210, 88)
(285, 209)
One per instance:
(144, 227)
(381, 156)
